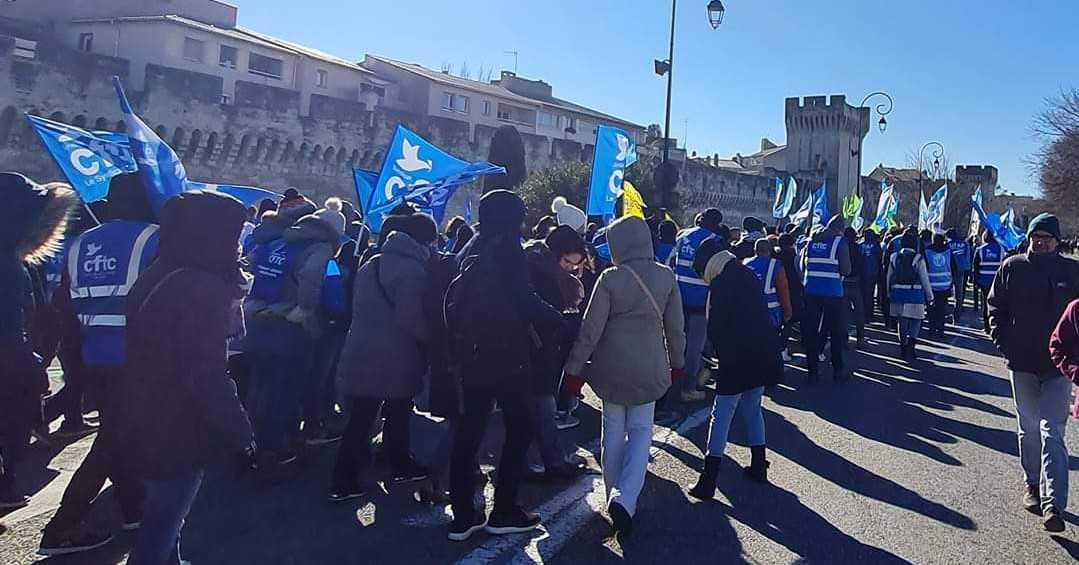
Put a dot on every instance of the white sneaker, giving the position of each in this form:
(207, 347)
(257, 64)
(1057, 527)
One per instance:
(822, 358)
(786, 356)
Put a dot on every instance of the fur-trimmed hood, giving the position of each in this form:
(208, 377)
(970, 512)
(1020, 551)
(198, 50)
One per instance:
(33, 218)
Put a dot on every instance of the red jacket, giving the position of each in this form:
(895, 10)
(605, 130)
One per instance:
(1064, 343)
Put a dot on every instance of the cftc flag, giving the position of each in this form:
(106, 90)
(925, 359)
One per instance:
(615, 150)
(89, 159)
(887, 209)
(365, 186)
(923, 212)
(249, 196)
(975, 221)
(784, 198)
(803, 213)
(417, 172)
(821, 215)
(163, 175)
(937, 205)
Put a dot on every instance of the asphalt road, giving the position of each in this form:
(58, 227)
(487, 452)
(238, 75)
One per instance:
(900, 464)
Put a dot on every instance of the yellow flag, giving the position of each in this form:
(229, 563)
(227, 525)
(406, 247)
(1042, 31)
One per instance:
(632, 201)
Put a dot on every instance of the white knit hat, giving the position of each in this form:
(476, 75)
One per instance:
(568, 215)
(331, 214)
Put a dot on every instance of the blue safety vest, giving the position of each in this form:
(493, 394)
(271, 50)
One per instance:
(663, 252)
(990, 256)
(694, 289)
(870, 259)
(103, 264)
(822, 276)
(272, 265)
(53, 270)
(961, 252)
(767, 271)
(907, 287)
(939, 264)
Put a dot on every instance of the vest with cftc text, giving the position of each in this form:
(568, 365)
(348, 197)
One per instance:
(767, 271)
(103, 264)
(822, 276)
(273, 262)
(990, 256)
(693, 288)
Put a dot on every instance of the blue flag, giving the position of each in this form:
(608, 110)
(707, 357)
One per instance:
(615, 150)
(468, 212)
(365, 185)
(937, 205)
(89, 159)
(975, 220)
(249, 196)
(821, 216)
(784, 198)
(804, 212)
(417, 172)
(887, 209)
(993, 223)
(163, 175)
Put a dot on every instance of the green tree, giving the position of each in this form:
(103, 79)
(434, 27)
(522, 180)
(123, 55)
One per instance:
(564, 179)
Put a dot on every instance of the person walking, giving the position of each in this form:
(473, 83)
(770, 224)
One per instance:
(909, 290)
(1026, 301)
(633, 334)
(103, 265)
(825, 261)
(694, 292)
(941, 265)
(872, 261)
(987, 261)
(852, 290)
(284, 323)
(181, 413)
(964, 262)
(773, 279)
(492, 315)
(32, 224)
(383, 362)
(747, 346)
(788, 256)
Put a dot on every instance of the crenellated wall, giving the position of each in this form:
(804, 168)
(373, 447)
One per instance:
(263, 139)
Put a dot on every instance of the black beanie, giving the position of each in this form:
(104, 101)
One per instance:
(563, 240)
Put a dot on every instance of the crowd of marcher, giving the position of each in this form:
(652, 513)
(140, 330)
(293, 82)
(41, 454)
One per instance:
(209, 335)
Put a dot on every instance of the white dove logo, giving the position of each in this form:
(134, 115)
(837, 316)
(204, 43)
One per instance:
(623, 147)
(411, 162)
(93, 248)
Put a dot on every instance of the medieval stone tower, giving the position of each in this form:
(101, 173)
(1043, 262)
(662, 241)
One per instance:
(824, 136)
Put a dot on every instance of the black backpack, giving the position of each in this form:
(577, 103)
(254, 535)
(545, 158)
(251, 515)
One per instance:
(489, 341)
(905, 273)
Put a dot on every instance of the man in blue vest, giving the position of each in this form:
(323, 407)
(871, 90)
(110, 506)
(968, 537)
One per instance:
(773, 277)
(872, 265)
(964, 261)
(825, 261)
(102, 266)
(694, 296)
(987, 261)
(285, 321)
(941, 266)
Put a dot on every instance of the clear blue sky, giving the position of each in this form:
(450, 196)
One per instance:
(970, 74)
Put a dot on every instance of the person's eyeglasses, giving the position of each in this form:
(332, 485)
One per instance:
(1040, 236)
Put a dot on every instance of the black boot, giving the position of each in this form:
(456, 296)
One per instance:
(903, 349)
(912, 349)
(706, 484)
(758, 466)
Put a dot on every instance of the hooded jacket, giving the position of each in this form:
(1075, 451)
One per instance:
(740, 327)
(32, 224)
(632, 347)
(300, 292)
(384, 356)
(181, 412)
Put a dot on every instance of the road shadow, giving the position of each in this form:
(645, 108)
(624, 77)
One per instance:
(1068, 545)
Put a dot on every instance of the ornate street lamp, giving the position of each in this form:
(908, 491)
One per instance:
(883, 109)
(715, 13)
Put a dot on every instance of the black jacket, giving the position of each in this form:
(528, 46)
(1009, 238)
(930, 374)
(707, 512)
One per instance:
(1027, 299)
(740, 327)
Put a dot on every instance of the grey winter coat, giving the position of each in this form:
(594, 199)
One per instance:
(632, 350)
(384, 354)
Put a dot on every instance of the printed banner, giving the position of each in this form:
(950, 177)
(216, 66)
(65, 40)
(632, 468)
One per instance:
(615, 150)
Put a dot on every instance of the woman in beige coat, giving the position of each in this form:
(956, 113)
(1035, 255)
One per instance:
(633, 335)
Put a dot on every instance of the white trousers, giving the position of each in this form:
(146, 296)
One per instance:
(627, 439)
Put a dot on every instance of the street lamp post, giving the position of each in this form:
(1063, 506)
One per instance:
(938, 154)
(883, 109)
(668, 180)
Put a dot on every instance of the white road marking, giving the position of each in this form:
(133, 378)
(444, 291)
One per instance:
(566, 513)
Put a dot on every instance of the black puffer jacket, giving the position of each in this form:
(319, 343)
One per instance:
(1027, 299)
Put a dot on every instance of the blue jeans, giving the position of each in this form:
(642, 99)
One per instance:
(909, 328)
(167, 504)
(696, 336)
(1041, 405)
(546, 437)
(281, 362)
(748, 405)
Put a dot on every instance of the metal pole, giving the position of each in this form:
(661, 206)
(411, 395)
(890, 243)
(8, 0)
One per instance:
(667, 127)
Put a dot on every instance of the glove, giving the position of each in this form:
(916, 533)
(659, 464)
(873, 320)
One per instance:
(677, 374)
(573, 384)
